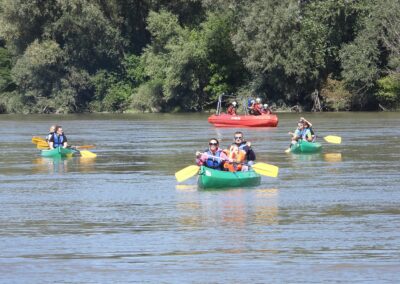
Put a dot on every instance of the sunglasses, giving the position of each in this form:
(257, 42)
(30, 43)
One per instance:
(238, 137)
(215, 144)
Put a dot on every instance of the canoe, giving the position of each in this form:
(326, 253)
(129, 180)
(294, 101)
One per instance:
(305, 147)
(57, 152)
(224, 120)
(209, 178)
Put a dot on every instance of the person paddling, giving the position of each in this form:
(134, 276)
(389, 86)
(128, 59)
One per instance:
(213, 157)
(308, 125)
(58, 139)
(250, 156)
(301, 133)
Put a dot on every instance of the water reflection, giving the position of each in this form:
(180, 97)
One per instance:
(62, 165)
(333, 157)
(238, 208)
(327, 157)
(306, 157)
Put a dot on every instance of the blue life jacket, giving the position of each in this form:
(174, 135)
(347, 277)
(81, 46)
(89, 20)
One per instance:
(58, 140)
(214, 161)
(303, 133)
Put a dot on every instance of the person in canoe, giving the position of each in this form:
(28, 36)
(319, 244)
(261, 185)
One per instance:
(308, 125)
(51, 132)
(301, 133)
(213, 157)
(238, 158)
(245, 146)
(58, 139)
(232, 108)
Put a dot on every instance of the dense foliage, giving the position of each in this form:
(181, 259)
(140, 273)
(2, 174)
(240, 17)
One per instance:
(154, 55)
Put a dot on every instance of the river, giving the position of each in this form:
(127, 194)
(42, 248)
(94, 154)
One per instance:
(122, 218)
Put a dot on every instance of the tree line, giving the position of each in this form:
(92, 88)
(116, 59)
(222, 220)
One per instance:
(65, 56)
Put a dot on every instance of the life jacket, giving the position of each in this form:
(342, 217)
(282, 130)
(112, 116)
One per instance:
(241, 146)
(214, 161)
(257, 110)
(303, 133)
(57, 140)
(231, 110)
(238, 156)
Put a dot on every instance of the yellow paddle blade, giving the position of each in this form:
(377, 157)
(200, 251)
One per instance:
(36, 140)
(42, 143)
(87, 154)
(333, 139)
(266, 169)
(186, 173)
(287, 150)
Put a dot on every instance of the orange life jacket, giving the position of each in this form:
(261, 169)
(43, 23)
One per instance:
(238, 157)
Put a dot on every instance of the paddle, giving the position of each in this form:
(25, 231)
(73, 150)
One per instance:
(36, 140)
(187, 173)
(87, 154)
(266, 169)
(333, 139)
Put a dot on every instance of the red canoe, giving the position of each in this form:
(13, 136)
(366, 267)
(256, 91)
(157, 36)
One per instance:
(264, 120)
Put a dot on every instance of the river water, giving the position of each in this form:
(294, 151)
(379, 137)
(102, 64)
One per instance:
(122, 218)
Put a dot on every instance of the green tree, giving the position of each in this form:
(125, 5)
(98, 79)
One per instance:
(6, 82)
(22, 22)
(40, 68)
(87, 37)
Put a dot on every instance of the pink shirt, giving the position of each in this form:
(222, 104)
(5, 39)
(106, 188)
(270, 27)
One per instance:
(203, 158)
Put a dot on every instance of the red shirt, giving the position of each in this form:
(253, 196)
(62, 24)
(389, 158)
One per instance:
(231, 110)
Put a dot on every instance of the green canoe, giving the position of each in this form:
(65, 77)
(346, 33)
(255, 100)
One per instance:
(209, 178)
(57, 152)
(305, 147)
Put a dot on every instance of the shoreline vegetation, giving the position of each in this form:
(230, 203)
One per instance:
(83, 56)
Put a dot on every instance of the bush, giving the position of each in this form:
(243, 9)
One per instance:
(148, 96)
(117, 98)
(389, 91)
(335, 96)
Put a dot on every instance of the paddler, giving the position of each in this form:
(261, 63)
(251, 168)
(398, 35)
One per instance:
(58, 139)
(213, 157)
(242, 144)
(301, 133)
